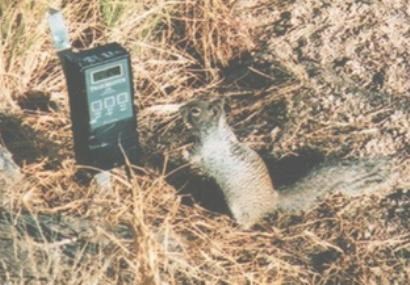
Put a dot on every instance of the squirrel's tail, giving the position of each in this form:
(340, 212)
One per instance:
(348, 177)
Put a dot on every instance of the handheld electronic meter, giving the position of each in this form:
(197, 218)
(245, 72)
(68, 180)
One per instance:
(101, 94)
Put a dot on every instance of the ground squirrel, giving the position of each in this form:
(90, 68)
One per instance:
(244, 178)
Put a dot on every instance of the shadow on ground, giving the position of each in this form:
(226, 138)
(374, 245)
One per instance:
(26, 145)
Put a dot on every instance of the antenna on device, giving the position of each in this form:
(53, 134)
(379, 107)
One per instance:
(58, 29)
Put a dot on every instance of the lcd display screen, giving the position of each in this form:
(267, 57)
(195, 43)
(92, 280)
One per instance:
(107, 73)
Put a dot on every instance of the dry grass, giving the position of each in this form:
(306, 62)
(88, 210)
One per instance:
(181, 49)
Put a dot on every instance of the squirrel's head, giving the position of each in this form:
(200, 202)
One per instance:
(203, 114)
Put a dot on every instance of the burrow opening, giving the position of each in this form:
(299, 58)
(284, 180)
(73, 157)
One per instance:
(26, 144)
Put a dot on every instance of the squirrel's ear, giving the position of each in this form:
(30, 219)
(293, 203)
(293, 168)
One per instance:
(218, 105)
(185, 116)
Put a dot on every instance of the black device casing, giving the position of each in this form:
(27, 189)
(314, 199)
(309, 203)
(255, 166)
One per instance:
(106, 146)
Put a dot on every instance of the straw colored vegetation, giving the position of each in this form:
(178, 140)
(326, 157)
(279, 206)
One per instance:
(329, 78)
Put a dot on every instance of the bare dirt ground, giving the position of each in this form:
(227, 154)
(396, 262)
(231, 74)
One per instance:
(305, 81)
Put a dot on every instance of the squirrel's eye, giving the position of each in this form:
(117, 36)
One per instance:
(195, 112)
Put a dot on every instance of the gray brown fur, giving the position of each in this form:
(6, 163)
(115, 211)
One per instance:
(351, 178)
(9, 171)
(244, 178)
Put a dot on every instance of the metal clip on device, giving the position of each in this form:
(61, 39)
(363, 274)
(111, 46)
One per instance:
(101, 96)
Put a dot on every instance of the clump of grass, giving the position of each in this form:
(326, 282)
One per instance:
(111, 11)
(177, 46)
(211, 30)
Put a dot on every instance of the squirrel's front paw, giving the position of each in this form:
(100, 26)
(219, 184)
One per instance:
(194, 161)
(186, 155)
(191, 157)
